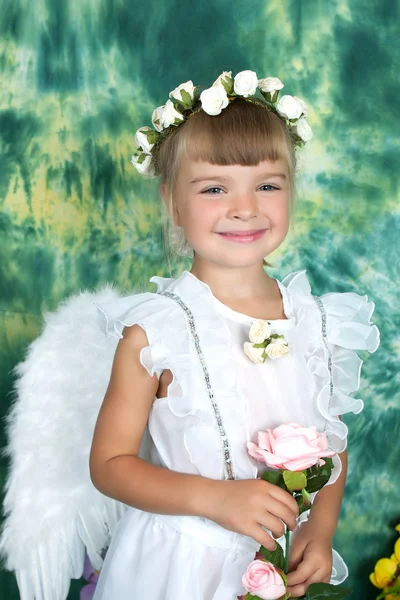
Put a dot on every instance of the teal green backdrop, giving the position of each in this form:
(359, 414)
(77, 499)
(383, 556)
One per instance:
(78, 77)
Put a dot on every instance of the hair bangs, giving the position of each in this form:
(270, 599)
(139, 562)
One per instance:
(243, 134)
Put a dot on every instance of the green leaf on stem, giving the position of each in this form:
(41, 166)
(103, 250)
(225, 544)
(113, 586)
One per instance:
(275, 557)
(326, 590)
(317, 477)
(275, 477)
(295, 480)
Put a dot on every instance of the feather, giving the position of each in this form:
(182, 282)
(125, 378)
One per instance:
(53, 513)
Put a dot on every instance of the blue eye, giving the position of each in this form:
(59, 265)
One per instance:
(208, 191)
(268, 185)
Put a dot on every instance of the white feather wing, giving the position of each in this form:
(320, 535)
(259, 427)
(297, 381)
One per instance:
(53, 511)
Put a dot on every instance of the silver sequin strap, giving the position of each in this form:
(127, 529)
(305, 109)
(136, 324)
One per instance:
(225, 447)
(321, 307)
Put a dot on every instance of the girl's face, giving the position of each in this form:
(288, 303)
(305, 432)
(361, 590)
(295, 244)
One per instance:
(212, 201)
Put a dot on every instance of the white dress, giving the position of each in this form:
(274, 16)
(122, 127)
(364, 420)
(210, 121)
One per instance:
(217, 401)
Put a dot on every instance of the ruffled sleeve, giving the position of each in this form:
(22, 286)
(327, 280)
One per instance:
(140, 309)
(335, 326)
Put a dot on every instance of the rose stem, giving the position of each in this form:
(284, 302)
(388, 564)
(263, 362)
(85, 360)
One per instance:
(287, 538)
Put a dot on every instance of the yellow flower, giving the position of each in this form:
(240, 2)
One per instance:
(397, 528)
(384, 572)
(396, 555)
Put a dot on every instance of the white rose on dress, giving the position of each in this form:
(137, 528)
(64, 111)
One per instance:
(277, 348)
(270, 85)
(213, 100)
(255, 354)
(245, 83)
(143, 165)
(303, 104)
(187, 87)
(156, 116)
(142, 141)
(260, 330)
(303, 130)
(289, 107)
(169, 115)
(218, 81)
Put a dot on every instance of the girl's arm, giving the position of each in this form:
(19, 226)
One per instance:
(115, 468)
(117, 471)
(324, 514)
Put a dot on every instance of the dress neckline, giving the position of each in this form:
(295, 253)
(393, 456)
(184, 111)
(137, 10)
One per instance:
(242, 317)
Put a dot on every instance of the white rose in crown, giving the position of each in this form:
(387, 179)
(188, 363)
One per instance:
(142, 141)
(277, 348)
(214, 100)
(304, 105)
(142, 163)
(260, 330)
(156, 117)
(269, 85)
(255, 354)
(289, 107)
(303, 130)
(245, 83)
(187, 87)
(170, 116)
(224, 75)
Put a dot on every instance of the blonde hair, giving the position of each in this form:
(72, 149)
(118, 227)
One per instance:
(244, 133)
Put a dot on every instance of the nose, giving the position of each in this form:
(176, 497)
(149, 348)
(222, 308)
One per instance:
(243, 206)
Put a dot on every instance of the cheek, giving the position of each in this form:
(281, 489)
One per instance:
(199, 217)
(279, 213)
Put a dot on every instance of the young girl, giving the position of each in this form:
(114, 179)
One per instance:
(197, 510)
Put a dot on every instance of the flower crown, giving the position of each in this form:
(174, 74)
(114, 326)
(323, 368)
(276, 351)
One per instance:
(180, 106)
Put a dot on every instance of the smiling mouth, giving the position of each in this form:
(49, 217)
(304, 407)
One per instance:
(242, 233)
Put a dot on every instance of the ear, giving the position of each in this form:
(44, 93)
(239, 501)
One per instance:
(170, 204)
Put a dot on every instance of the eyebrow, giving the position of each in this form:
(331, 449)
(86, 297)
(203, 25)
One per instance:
(221, 178)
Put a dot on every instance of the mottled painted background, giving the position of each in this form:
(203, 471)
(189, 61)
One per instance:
(78, 77)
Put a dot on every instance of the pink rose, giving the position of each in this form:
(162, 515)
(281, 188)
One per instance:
(264, 580)
(291, 447)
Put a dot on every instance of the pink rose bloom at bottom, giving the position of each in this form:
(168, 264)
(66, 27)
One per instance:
(263, 579)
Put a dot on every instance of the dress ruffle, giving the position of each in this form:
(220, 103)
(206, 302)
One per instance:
(348, 328)
(186, 395)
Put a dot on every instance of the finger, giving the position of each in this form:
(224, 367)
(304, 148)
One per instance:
(285, 498)
(274, 525)
(295, 556)
(303, 572)
(282, 512)
(299, 590)
(263, 538)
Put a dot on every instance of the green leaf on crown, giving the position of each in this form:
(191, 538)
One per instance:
(186, 99)
(152, 136)
(227, 82)
(141, 158)
(316, 591)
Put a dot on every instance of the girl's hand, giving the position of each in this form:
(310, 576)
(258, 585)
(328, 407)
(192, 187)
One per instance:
(310, 559)
(246, 506)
